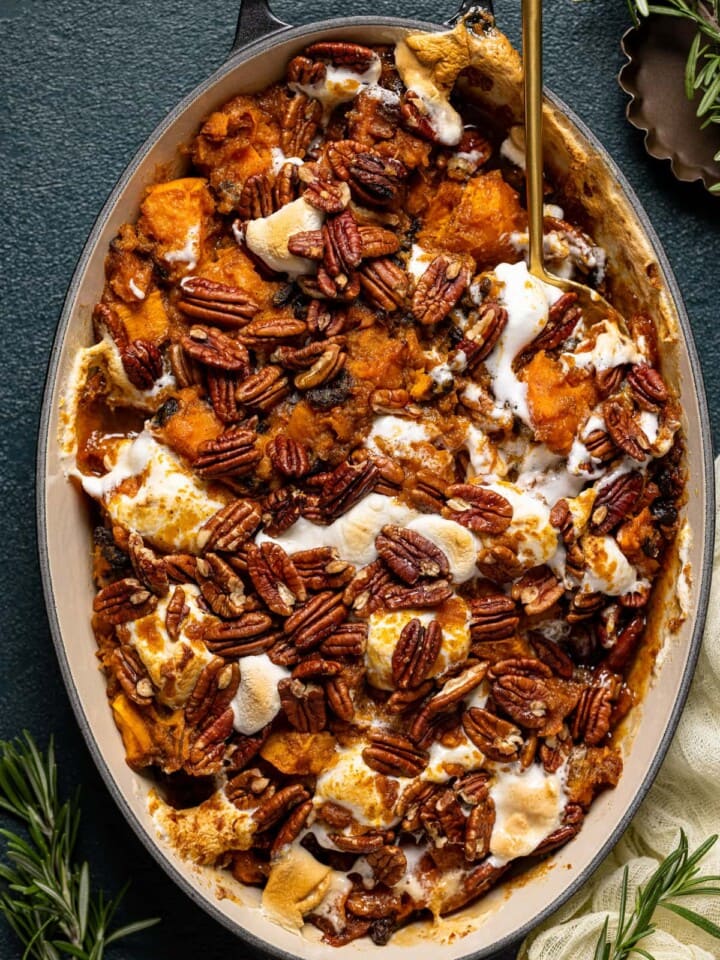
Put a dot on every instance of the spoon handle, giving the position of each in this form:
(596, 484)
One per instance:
(532, 70)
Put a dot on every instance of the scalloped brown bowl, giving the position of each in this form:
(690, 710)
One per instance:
(619, 223)
(654, 79)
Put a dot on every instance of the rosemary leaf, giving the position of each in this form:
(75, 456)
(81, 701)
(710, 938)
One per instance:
(45, 895)
(677, 876)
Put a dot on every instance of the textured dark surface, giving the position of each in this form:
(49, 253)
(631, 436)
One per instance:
(84, 82)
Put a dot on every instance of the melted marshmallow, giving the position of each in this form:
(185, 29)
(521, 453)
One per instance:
(170, 504)
(353, 535)
(267, 237)
(339, 84)
(528, 806)
(527, 301)
(257, 700)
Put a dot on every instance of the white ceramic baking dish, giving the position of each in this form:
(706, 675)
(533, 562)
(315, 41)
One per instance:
(263, 47)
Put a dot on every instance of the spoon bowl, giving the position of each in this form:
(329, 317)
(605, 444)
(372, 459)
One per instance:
(593, 305)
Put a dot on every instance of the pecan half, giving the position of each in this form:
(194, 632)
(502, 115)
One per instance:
(265, 332)
(624, 429)
(377, 242)
(348, 640)
(494, 617)
(315, 620)
(230, 527)
(410, 555)
(345, 486)
(327, 366)
(384, 284)
(176, 613)
(279, 805)
(280, 509)
(131, 674)
(553, 655)
(149, 568)
(248, 634)
(443, 818)
(358, 842)
(288, 456)
(218, 304)
(292, 827)
(647, 387)
(339, 698)
(327, 195)
(233, 453)
(208, 749)
(374, 180)
(322, 569)
(303, 705)
(440, 287)
(213, 348)
(397, 597)
(592, 718)
(496, 738)
(275, 577)
(124, 600)
(342, 244)
(142, 361)
(415, 653)
(388, 864)
(256, 198)
(185, 370)
(263, 389)
(624, 647)
(221, 387)
(342, 53)
(394, 755)
(478, 829)
(307, 243)
(599, 445)
(537, 590)
(214, 689)
(615, 501)
(536, 703)
(479, 508)
(300, 123)
(483, 332)
(220, 586)
(563, 317)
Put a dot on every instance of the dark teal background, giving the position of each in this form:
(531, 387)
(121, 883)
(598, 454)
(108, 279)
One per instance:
(83, 84)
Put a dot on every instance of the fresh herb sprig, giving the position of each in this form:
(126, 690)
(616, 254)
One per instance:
(45, 895)
(677, 876)
(702, 68)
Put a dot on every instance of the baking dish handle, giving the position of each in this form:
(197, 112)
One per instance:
(468, 7)
(255, 22)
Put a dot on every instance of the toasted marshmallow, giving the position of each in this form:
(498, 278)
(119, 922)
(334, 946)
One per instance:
(607, 569)
(530, 535)
(456, 542)
(173, 665)
(204, 833)
(528, 806)
(353, 784)
(267, 237)
(297, 883)
(150, 490)
(257, 700)
(385, 627)
(353, 535)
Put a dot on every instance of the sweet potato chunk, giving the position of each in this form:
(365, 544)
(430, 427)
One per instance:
(146, 319)
(148, 737)
(559, 401)
(193, 423)
(234, 144)
(474, 218)
(299, 754)
(176, 215)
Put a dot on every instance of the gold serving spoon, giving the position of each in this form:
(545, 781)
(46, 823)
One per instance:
(593, 305)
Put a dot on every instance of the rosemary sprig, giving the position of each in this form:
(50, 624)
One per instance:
(702, 68)
(45, 895)
(677, 876)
